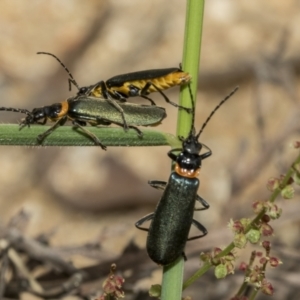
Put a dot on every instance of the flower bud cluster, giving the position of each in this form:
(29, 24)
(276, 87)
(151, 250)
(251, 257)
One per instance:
(112, 286)
(256, 273)
(223, 265)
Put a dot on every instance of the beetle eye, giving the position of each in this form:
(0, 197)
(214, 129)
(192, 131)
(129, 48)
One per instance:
(82, 91)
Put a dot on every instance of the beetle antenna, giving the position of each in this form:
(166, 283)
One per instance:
(216, 108)
(18, 110)
(193, 109)
(71, 79)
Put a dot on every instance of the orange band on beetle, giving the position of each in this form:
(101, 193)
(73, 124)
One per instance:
(186, 172)
(64, 109)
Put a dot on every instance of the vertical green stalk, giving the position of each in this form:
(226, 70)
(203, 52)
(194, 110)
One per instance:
(173, 274)
(173, 280)
(191, 60)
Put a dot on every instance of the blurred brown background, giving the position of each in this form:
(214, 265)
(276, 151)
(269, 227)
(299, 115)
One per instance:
(85, 195)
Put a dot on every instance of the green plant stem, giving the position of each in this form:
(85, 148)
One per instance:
(207, 265)
(247, 273)
(191, 60)
(173, 275)
(253, 294)
(69, 136)
(242, 288)
(172, 280)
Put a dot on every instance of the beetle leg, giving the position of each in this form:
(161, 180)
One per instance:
(139, 132)
(112, 94)
(43, 122)
(172, 155)
(201, 228)
(102, 120)
(110, 98)
(43, 135)
(206, 154)
(117, 96)
(90, 134)
(120, 109)
(203, 202)
(143, 220)
(160, 185)
(149, 99)
(144, 92)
